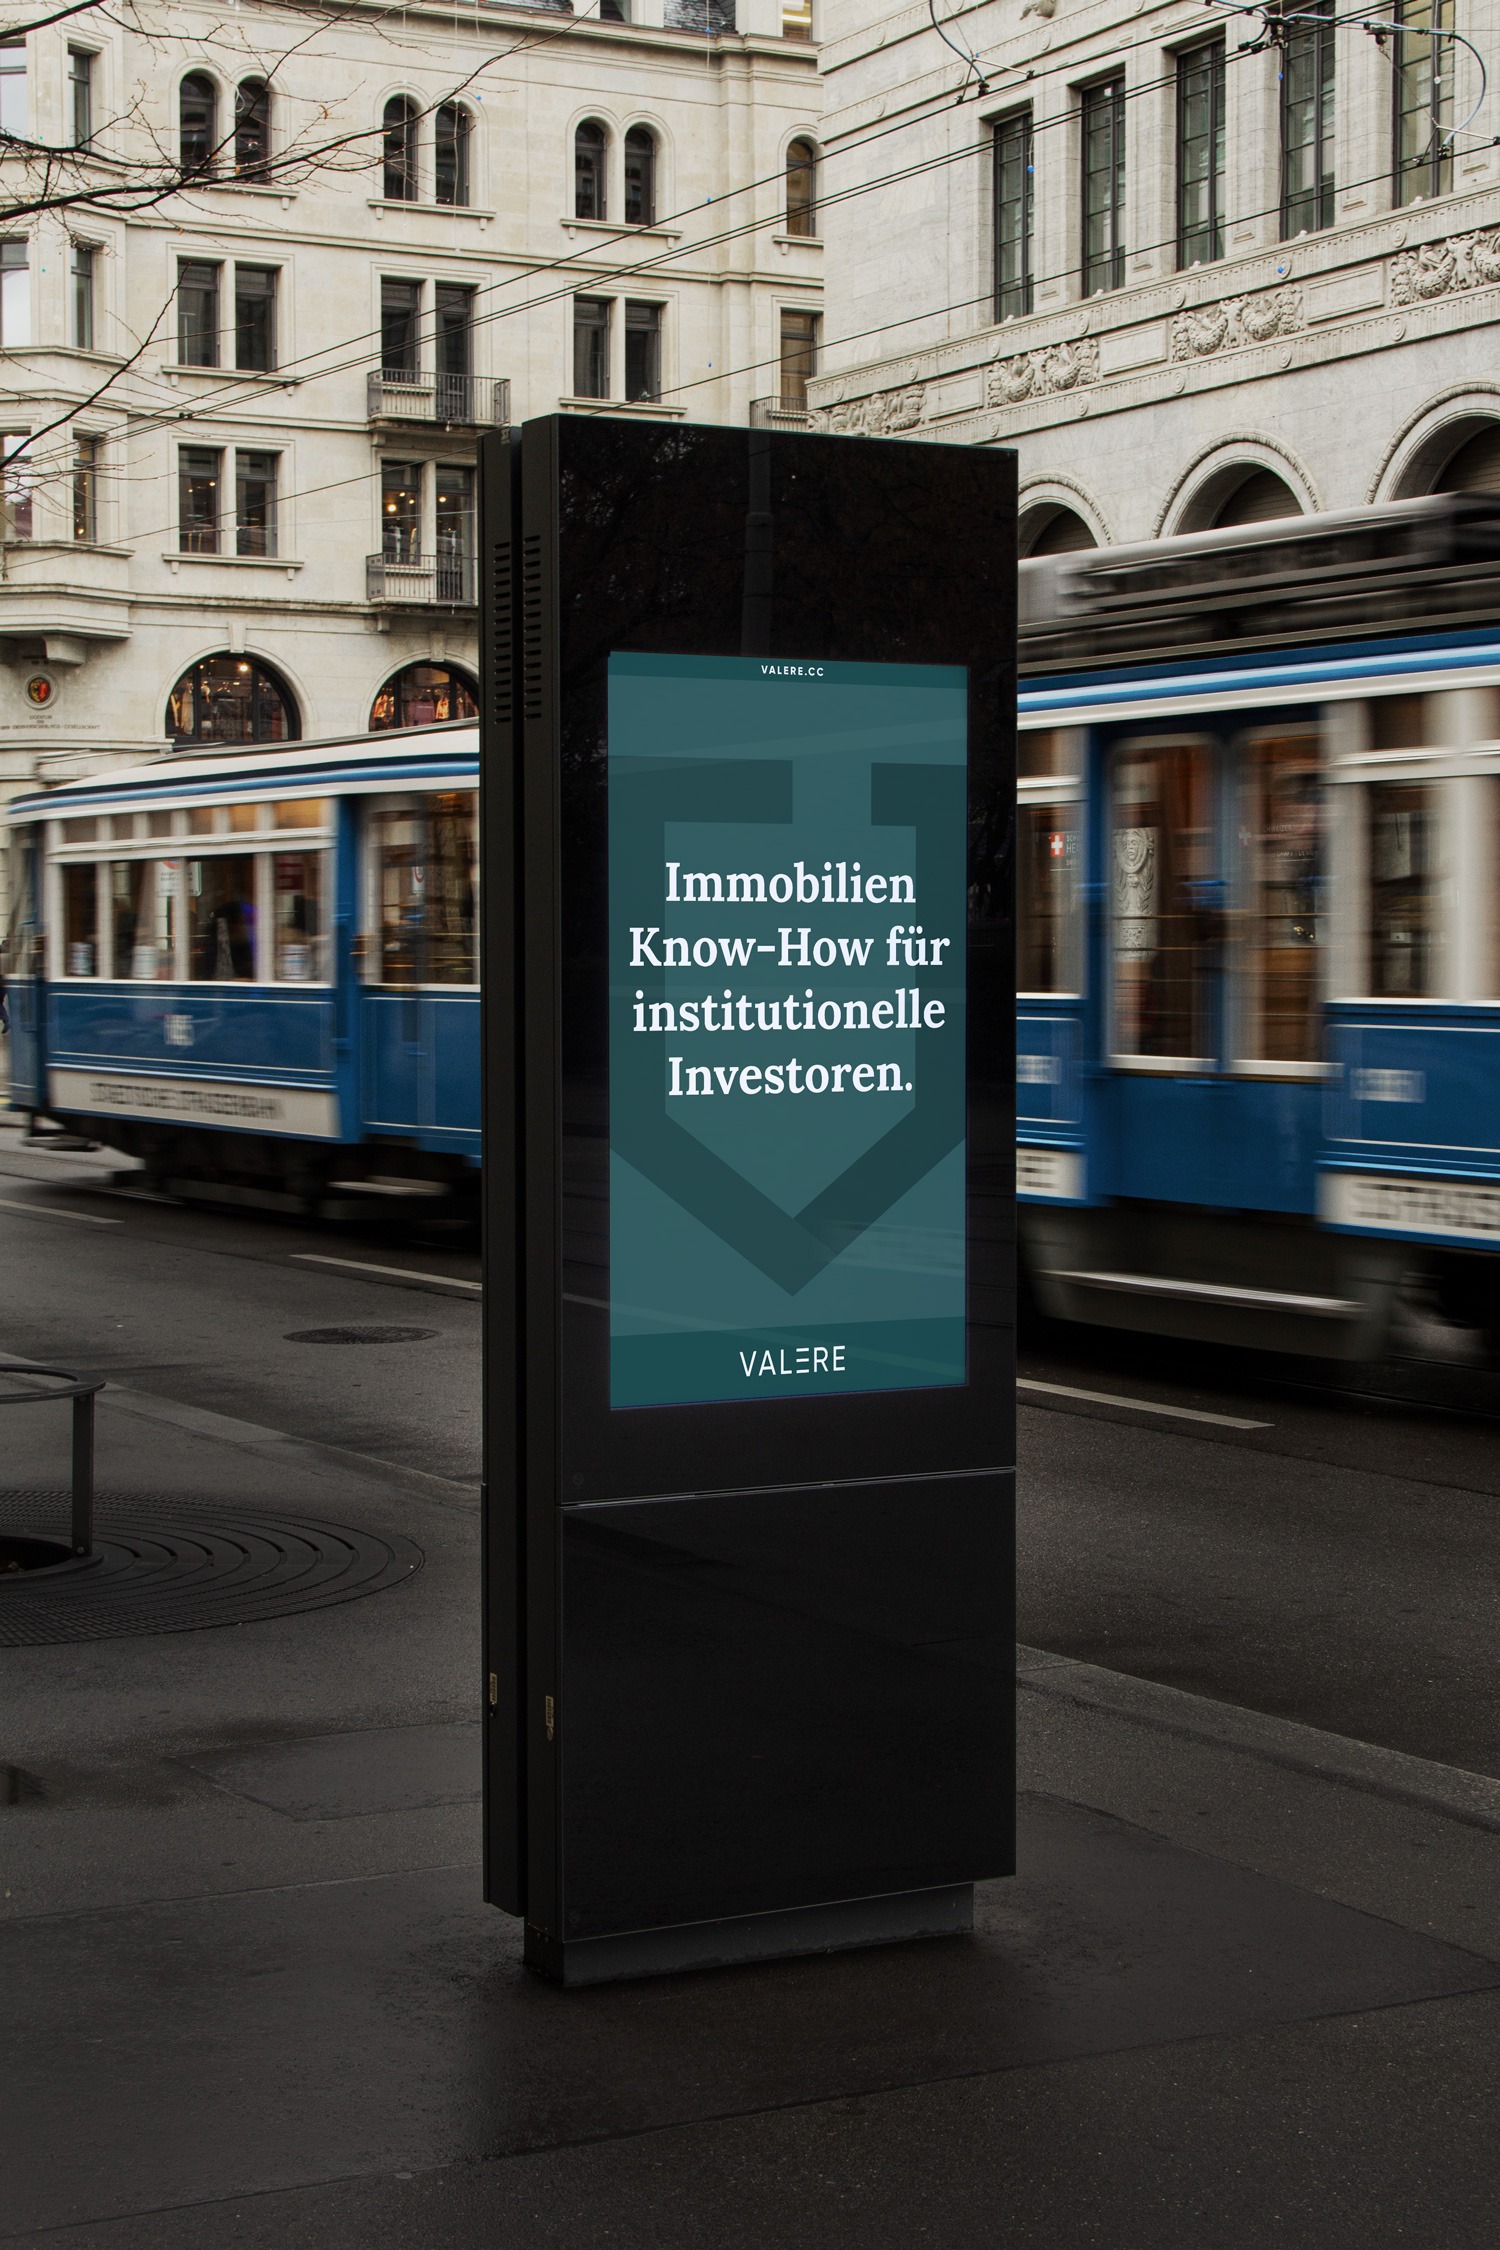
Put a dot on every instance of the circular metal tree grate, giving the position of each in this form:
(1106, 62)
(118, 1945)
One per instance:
(159, 1566)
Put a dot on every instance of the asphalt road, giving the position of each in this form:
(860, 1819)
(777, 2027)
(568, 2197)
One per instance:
(1335, 1562)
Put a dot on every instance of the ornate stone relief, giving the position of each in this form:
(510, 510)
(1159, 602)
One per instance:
(1235, 322)
(1439, 269)
(878, 416)
(1052, 368)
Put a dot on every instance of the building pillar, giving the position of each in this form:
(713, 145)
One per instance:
(1150, 166)
(1252, 150)
(1363, 106)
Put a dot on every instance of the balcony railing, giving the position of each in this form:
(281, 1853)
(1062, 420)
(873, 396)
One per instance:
(420, 581)
(778, 414)
(470, 401)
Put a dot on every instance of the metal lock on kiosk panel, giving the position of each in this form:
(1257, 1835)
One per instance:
(747, 781)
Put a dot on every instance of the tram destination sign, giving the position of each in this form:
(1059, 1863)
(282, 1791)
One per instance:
(787, 904)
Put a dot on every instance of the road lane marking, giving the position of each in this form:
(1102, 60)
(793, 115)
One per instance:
(45, 1211)
(1141, 1405)
(397, 1273)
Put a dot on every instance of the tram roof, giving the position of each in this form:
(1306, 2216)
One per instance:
(361, 763)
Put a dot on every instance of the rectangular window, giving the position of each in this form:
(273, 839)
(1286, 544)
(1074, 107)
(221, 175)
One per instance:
(1012, 157)
(197, 313)
(1162, 890)
(1047, 893)
(136, 948)
(1307, 82)
(86, 490)
(1425, 61)
(15, 110)
(591, 347)
(81, 96)
(198, 499)
(453, 532)
(796, 19)
(255, 318)
(400, 330)
(452, 888)
(1404, 879)
(642, 351)
(399, 861)
(453, 307)
(1103, 121)
(15, 487)
(80, 921)
(401, 511)
(85, 260)
(299, 949)
(15, 292)
(255, 503)
(1200, 155)
(799, 356)
(451, 154)
(1282, 839)
(221, 919)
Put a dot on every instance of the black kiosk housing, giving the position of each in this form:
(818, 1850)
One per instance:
(749, 1650)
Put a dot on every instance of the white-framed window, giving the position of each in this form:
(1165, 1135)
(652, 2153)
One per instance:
(15, 292)
(15, 105)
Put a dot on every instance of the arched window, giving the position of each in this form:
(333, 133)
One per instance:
(423, 695)
(1051, 529)
(1260, 497)
(450, 156)
(802, 188)
(589, 145)
(640, 177)
(231, 699)
(252, 127)
(198, 122)
(399, 150)
(1475, 467)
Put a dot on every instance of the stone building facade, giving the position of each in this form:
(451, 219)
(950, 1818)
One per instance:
(1198, 265)
(247, 511)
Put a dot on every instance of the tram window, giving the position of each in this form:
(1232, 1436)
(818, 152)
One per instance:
(426, 876)
(1398, 722)
(81, 920)
(158, 823)
(1164, 903)
(143, 917)
(297, 895)
(245, 819)
(1404, 878)
(200, 820)
(452, 889)
(401, 875)
(302, 812)
(1046, 753)
(221, 919)
(79, 831)
(122, 827)
(1283, 838)
(1047, 877)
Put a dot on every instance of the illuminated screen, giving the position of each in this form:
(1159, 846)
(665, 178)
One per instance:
(787, 1131)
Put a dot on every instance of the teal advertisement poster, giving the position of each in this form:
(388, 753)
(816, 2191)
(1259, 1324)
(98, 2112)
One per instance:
(787, 902)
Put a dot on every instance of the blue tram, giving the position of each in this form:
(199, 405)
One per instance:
(259, 969)
(1259, 928)
(1258, 938)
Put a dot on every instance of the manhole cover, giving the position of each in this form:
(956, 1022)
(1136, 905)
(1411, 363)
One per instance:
(162, 1566)
(369, 1333)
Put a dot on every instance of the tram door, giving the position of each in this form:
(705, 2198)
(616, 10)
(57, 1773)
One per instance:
(421, 1016)
(1214, 984)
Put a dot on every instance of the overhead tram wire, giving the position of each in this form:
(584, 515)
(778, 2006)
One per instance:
(880, 328)
(233, 394)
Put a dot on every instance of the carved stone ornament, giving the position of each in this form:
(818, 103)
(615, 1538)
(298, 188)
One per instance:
(1053, 368)
(1441, 269)
(877, 416)
(1235, 322)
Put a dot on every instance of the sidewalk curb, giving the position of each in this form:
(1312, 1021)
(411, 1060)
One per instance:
(1470, 1798)
(259, 1437)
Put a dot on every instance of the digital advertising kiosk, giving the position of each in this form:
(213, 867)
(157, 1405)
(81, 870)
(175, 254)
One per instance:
(747, 805)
